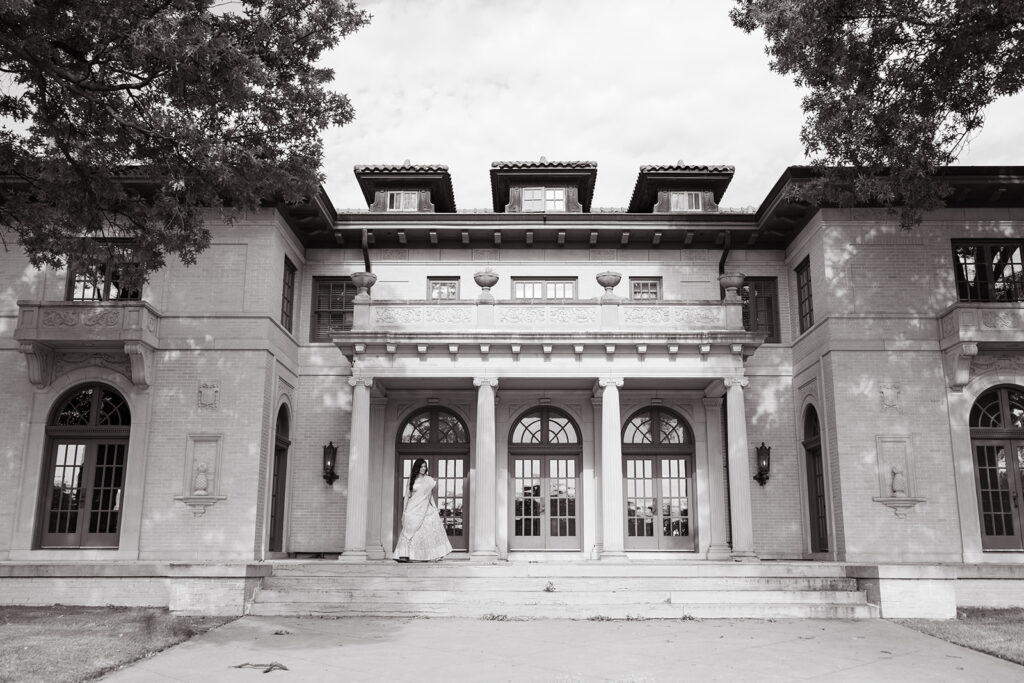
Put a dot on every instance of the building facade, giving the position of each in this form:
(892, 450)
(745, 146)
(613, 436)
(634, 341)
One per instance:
(672, 380)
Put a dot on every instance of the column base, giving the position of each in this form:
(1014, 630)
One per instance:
(484, 556)
(745, 556)
(719, 552)
(376, 553)
(353, 556)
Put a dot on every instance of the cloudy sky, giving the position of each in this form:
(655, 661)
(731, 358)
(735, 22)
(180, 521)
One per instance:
(468, 82)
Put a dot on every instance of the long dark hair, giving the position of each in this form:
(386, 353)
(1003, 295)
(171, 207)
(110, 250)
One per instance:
(417, 465)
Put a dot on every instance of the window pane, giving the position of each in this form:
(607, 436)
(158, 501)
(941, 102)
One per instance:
(645, 289)
(444, 289)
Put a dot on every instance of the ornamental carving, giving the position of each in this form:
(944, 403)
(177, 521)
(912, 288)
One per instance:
(948, 325)
(986, 363)
(408, 315)
(539, 315)
(60, 318)
(485, 254)
(102, 318)
(209, 395)
(118, 362)
(667, 315)
(997, 320)
(394, 255)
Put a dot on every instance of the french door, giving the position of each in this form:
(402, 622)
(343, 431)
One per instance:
(83, 499)
(999, 476)
(658, 495)
(545, 510)
(452, 494)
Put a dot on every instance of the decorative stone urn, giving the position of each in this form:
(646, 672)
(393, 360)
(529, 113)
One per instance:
(363, 282)
(608, 280)
(486, 279)
(731, 282)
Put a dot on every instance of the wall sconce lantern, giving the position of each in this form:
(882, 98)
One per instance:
(330, 457)
(764, 462)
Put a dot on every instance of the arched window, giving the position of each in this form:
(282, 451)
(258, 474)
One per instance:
(544, 461)
(279, 482)
(87, 452)
(657, 463)
(440, 437)
(816, 508)
(997, 442)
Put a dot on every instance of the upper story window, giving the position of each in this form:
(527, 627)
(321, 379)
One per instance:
(989, 270)
(544, 288)
(442, 288)
(645, 288)
(403, 200)
(103, 282)
(543, 199)
(288, 294)
(686, 201)
(760, 296)
(803, 294)
(332, 307)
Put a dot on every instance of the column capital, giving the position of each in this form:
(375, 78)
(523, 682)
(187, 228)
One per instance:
(713, 402)
(605, 382)
(731, 382)
(489, 381)
(356, 381)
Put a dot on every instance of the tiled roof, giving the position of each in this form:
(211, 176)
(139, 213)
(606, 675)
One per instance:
(688, 168)
(542, 164)
(413, 168)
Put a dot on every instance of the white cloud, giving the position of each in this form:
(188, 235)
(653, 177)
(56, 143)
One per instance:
(465, 83)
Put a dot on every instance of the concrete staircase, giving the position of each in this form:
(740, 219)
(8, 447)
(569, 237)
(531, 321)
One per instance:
(575, 590)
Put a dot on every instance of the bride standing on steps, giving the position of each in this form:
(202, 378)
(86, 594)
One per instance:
(423, 538)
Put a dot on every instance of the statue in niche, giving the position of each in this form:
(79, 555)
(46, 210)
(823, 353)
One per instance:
(899, 482)
(201, 482)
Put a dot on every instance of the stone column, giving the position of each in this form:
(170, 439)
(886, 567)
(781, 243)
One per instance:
(482, 523)
(739, 471)
(613, 546)
(358, 471)
(718, 549)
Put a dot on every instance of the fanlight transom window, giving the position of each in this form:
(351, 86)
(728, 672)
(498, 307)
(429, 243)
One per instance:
(999, 408)
(812, 429)
(93, 406)
(656, 427)
(545, 426)
(434, 426)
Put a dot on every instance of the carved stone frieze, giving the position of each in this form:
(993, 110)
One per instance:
(65, 362)
(983, 363)
(102, 318)
(539, 315)
(394, 255)
(998, 320)
(59, 318)
(485, 254)
(418, 315)
(656, 316)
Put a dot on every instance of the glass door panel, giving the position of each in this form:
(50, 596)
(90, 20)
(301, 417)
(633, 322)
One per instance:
(675, 504)
(658, 495)
(999, 488)
(66, 496)
(451, 495)
(545, 509)
(641, 506)
(105, 505)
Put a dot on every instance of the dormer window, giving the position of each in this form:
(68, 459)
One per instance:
(686, 201)
(403, 201)
(539, 199)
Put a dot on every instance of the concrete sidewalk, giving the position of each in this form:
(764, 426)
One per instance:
(420, 650)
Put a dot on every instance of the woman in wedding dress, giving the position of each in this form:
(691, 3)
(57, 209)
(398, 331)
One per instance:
(423, 538)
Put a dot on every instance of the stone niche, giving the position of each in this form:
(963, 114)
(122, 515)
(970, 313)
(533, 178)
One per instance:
(894, 460)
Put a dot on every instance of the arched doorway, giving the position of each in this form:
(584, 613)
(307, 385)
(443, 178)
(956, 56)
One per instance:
(87, 452)
(279, 482)
(657, 464)
(997, 443)
(544, 460)
(817, 516)
(440, 437)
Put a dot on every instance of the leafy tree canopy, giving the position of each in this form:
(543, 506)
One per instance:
(896, 88)
(124, 119)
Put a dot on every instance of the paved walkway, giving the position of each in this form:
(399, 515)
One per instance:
(421, 650)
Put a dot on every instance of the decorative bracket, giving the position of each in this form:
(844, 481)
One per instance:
(199, 504)
(957, 360)
(141, 358)
(900, 505)
(39, 358)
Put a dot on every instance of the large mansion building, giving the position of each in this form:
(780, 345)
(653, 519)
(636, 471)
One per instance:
(672, 382)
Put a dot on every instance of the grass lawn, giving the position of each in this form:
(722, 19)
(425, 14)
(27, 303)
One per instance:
(62, 643)
(998, 632)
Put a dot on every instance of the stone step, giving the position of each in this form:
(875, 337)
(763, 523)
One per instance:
(556, 597)
(595, 611)
(554, 569)
(561, 583)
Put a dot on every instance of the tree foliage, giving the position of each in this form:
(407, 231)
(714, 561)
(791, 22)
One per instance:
(896, 88)
(125, 119)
